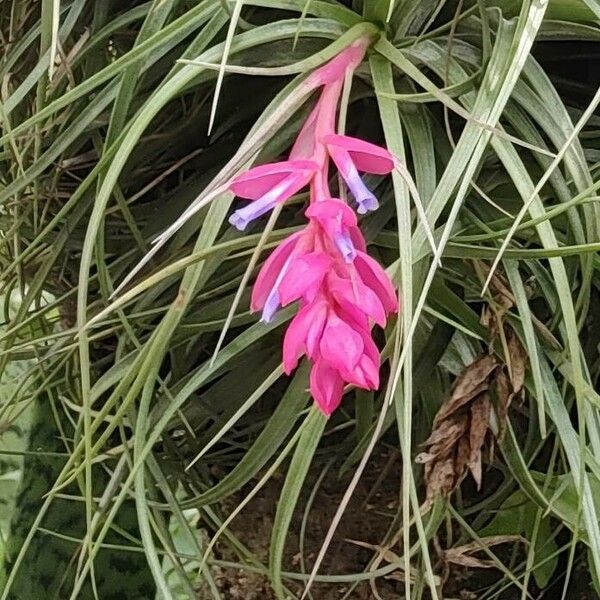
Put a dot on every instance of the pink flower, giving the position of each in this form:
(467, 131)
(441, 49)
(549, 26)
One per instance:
(352, 155)
(339, 222)
(268, 185)
(293, 271)
(341, 291)
(339, 343)
(297, 267)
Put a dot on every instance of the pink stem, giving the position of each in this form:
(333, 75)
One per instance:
(325, 125)
(334, 70)
(321, 121)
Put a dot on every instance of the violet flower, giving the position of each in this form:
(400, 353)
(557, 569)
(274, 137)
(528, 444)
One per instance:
(269, 185)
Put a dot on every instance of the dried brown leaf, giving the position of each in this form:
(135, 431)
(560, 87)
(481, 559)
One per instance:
(453, 448)
(447, 433)
(464, 555)
(385, 553)
(441, 478)
(518, 362)
(490, 446)
(480, 422)
(472, 562)
(425, 457)
(501, 293)
(390, 557)
(489, 541)
(461, 461)
(504, 396)
(462, 435)
(470, 383)
(503, 300)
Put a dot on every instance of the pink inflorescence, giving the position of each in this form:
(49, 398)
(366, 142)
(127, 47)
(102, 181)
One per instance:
(341, 290)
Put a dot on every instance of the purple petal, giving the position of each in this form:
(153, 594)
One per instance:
(345, 164)
(271, 306)
(241, 217)
(345, 246)
(277, 194)
(364, 197)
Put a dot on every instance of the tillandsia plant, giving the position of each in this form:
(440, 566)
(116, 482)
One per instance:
(450, 144)
(341, 290)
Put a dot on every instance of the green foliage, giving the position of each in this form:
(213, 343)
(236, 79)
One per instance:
(49, 565)
(518, 515)
(162, 411)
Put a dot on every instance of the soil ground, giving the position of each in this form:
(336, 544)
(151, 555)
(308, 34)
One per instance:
(368, 520)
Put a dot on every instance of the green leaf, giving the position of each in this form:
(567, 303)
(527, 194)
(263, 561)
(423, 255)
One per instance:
(517, 516)
(296, 474)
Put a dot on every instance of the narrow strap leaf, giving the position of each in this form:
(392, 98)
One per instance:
(307, 445)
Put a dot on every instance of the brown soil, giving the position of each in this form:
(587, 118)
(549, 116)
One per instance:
(367, 520)
(371, 518)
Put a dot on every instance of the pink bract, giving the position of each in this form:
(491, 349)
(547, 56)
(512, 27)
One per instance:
(257, 182)
(366, 157)
(341, 291)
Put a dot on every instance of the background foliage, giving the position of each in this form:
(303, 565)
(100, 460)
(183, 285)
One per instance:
(166, 446)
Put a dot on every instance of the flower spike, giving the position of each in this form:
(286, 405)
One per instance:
(340, 290)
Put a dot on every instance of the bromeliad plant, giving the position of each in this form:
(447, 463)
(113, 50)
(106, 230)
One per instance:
(341, 290)
(160, 396)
